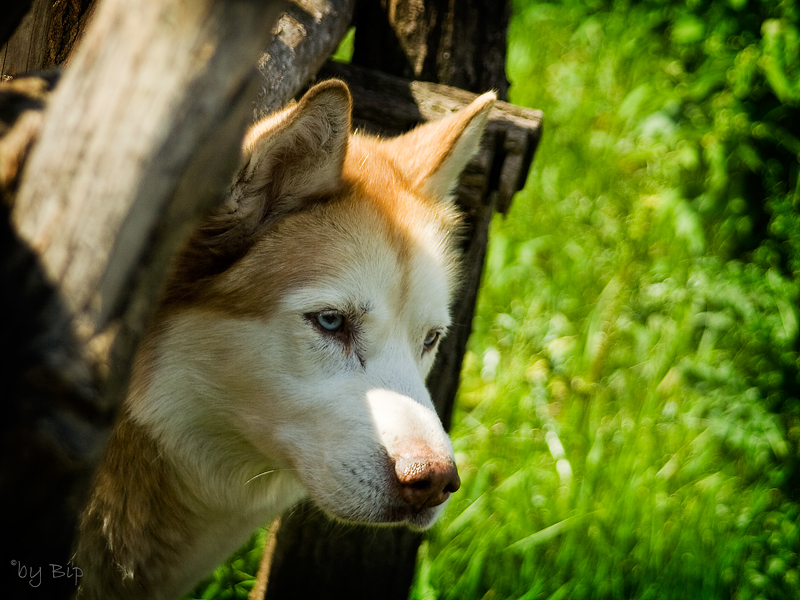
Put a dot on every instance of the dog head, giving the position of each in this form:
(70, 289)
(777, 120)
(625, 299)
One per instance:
(306, 312)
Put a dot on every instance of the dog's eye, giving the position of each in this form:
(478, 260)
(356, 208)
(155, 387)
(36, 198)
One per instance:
(431, 339)
(331, 321)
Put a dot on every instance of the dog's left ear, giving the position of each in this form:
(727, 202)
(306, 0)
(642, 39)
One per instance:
(289, 160)
(298, 153)
(434, 154)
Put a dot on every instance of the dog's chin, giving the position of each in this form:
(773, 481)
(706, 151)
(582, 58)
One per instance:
(424, 520)
(394, 516)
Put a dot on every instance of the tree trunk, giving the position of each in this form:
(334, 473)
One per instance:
(457, 43)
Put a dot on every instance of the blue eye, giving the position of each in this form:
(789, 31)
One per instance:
(330, 320)
(430, 340)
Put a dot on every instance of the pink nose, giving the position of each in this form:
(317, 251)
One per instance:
(426, 482)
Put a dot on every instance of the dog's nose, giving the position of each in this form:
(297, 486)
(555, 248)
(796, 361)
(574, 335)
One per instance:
(426, 482)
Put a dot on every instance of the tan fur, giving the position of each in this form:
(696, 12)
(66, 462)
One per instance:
(239, 403)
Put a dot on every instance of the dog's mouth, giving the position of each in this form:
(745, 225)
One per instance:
(395, 515)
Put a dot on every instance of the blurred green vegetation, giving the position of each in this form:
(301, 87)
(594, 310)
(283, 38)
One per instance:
(628, 422)
(629, 419)
(233, 579)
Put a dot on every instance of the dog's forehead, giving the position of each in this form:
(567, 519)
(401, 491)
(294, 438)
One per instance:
(351, 252)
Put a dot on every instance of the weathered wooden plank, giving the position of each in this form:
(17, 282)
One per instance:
(13, 13)
(46, 37)
(461, 43)
(149, 87)
(24, 51)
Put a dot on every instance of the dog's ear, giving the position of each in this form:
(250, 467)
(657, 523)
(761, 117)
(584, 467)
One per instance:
(434, 154)
(289, 160)
(298, 153)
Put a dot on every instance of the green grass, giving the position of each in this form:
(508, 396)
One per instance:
(619, 429)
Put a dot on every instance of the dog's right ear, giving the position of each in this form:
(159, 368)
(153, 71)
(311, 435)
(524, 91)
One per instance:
(289, 160)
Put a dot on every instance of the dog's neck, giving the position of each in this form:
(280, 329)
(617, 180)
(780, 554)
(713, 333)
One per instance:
(148, 513)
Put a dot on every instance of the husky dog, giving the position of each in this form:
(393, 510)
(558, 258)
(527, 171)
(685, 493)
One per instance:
(288, 355)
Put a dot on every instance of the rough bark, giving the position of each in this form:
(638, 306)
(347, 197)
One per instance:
(305, 36)
(45, 36)
(68, 23)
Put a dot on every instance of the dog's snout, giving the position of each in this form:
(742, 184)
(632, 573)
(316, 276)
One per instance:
(426, 482)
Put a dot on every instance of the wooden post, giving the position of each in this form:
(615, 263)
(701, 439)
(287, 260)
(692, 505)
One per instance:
(142, 134)
(13, 13)
(45, 37)
(459, 43)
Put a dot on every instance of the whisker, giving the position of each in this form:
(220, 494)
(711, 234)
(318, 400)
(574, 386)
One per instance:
(259, 475)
